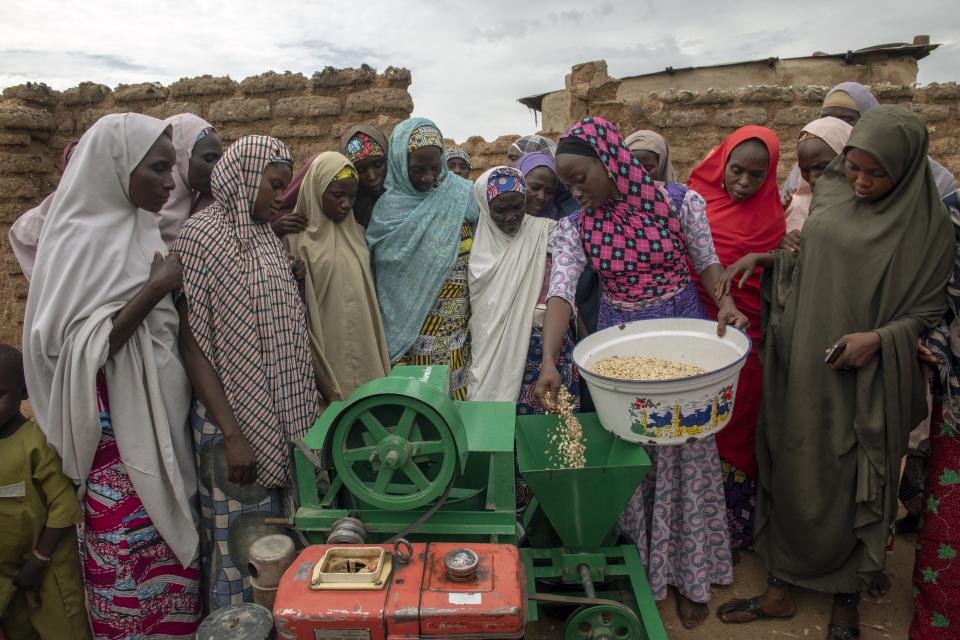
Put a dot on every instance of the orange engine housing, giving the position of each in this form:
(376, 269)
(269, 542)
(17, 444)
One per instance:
(418, 600)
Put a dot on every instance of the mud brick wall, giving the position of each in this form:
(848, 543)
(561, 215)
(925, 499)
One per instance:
(694, 122)
(308, 113)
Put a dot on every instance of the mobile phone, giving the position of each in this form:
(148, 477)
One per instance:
(835, 352)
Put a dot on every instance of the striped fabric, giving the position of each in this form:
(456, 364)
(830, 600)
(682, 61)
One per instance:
(444, 337)
(245, 311)
(136, 587)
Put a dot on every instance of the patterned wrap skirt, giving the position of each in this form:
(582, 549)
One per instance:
(136, 587)
(678, 516)
(444, 338)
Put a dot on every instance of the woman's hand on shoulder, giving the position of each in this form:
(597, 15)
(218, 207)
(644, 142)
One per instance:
(291, 223)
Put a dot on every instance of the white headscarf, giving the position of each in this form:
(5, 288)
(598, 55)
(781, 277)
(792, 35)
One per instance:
(505, 279)
(186, 128)
(94, 256)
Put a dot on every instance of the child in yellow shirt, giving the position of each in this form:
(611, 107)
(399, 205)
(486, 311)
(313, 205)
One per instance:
(41, 587)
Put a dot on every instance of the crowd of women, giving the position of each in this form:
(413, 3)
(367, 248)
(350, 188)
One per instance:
(192, 310)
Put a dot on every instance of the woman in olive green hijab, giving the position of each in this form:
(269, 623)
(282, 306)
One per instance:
(876, 253)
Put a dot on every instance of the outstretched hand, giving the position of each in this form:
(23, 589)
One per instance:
(738, 273)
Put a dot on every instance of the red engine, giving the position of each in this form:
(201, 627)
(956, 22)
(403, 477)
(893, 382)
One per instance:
(371, 592)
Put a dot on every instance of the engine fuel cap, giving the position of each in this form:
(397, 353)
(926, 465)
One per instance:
(461, 564)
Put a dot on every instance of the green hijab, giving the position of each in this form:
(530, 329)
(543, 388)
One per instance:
(829, 443)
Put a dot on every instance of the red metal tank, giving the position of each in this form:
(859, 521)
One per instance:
(446, 590)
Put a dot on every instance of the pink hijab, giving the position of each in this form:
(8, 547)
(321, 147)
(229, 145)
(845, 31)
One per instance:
(25, 232)
(835, 133)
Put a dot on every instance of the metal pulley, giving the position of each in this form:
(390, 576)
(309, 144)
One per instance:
(397, 443)
(612, 621)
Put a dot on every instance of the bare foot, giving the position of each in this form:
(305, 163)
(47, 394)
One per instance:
(879, 585)
(692, 614)
(848, 616)
(774, 603)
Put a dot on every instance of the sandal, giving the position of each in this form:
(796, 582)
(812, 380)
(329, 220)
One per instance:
(751, 606)
(836, 631)
(841, 632)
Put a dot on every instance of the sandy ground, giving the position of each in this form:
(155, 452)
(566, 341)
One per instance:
(885, 617)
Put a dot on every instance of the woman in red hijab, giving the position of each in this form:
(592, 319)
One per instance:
(739, 182)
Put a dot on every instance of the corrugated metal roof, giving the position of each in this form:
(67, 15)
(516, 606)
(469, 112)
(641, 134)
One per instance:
(899, 50)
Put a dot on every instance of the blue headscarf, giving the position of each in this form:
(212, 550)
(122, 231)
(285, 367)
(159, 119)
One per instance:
(414, 238)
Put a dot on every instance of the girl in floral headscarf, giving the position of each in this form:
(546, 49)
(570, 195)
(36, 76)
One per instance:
(366, 148)
(640, 246)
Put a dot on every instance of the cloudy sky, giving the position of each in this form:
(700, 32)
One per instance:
(470, 60)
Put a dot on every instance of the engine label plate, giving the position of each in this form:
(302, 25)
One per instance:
(466, 598)
(341, 634)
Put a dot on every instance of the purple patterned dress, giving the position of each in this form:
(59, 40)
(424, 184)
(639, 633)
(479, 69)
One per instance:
(678, 517)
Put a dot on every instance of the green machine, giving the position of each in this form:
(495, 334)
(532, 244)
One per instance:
(399, 457)
(572, 559)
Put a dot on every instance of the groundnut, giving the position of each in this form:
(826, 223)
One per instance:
(567, 440)
(642, 368)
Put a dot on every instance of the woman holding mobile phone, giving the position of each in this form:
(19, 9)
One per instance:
(869, 278)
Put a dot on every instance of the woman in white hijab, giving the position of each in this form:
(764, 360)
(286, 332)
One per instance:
(508, 277)
(99, 338)
(508, 280)
(198, 149)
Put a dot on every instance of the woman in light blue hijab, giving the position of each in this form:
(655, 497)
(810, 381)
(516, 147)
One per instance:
(420, 237)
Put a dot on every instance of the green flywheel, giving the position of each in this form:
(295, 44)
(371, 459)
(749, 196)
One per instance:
(394, 451)
(603, 622)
